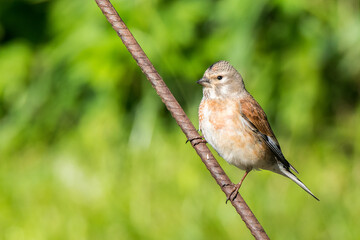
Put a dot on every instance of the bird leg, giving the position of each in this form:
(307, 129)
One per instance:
(196, 138)
(236, 188)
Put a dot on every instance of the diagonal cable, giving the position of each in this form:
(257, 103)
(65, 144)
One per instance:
(179, 115)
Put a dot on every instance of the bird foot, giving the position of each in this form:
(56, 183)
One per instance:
(234, 192)
(236, 188)
(201, 140)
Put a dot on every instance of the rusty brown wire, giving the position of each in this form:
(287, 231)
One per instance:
(179, 115)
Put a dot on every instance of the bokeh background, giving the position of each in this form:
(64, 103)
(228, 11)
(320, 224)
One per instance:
(88, 150)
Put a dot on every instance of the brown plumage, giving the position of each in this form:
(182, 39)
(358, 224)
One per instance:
(237, 127)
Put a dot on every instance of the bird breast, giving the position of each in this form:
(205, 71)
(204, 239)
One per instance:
(223, 127)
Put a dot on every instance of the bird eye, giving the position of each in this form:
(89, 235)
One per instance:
(219, 77)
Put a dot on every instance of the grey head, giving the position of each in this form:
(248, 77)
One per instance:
(222, 80)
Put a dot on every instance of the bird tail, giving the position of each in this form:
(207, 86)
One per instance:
(287, 173)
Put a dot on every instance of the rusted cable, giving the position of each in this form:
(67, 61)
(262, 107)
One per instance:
(179, 115)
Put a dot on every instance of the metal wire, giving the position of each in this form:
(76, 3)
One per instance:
(179, 115)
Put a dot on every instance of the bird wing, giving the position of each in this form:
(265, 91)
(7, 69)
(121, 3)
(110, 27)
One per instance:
(258, 123)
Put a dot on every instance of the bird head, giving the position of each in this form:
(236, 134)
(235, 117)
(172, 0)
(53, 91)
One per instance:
(221, 80)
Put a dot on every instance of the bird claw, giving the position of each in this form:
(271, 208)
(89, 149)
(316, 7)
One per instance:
(196, 138)
(233, 193)
(236, 188)
(226, 184)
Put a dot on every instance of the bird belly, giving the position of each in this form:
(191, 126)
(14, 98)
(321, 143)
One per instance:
(224, 129)
(238, 148)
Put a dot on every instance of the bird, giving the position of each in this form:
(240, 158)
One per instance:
(236, 126)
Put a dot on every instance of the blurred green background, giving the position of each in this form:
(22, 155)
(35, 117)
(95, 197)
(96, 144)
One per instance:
(88, 150)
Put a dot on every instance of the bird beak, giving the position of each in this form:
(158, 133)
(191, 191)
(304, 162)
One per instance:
(204, 81)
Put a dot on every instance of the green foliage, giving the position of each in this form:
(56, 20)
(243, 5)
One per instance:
(88, 151)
